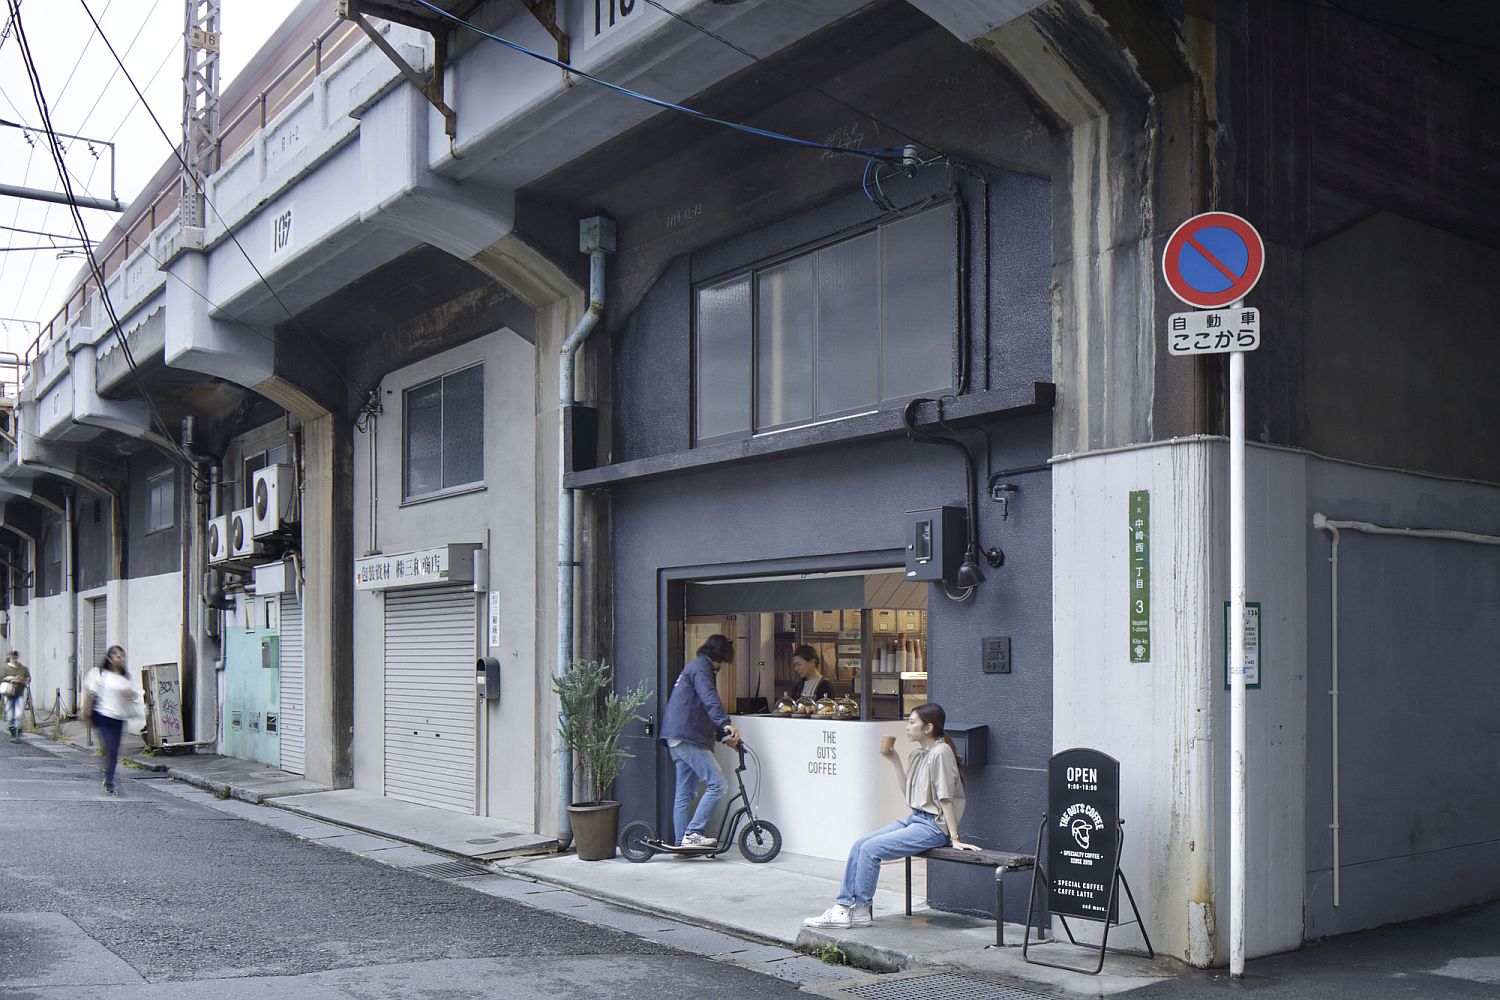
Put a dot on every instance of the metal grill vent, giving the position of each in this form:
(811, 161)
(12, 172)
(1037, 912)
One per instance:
(451, 869)
(942, 986)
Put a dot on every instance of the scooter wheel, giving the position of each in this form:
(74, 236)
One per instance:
(760, 842)
(635, 841)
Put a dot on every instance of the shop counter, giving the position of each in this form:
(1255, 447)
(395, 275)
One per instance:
(822, 782)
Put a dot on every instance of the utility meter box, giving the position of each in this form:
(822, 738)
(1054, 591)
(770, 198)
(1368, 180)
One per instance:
(487, 678)
(935, 543)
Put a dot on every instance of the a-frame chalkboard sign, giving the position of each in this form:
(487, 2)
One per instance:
(1084, 838)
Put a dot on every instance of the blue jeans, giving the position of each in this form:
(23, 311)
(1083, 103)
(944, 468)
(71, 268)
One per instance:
(903, 838)
(695, 764)
(110, 730)
(13, 707)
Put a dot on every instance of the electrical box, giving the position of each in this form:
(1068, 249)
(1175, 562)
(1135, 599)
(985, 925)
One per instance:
(218, 539)
(271, 578)
(935, 543)
(275, 500)
(487, 678)
(971, 744)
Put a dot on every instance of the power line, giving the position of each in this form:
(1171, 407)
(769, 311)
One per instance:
(866, 154)
(56, 149)
(311, 340)
(761, 61)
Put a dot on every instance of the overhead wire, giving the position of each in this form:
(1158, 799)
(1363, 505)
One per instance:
(872, 153)
(197, 182)
(55, 147)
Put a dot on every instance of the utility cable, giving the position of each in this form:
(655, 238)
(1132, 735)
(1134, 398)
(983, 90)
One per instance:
(787, 76)
(56, 149)
(867, 154)
(309, 338)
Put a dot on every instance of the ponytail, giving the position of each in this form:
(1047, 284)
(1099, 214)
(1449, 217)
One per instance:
(932, 714)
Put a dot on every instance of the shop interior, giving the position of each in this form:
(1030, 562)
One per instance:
(868, 629)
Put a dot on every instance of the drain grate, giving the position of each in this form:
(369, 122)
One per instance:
(451, 869)
(942, 986)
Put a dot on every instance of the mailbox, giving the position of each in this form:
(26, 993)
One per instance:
(487, 678)
(971, 744)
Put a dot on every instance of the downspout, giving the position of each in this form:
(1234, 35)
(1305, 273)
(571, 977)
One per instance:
(596, 237)
(69, 583)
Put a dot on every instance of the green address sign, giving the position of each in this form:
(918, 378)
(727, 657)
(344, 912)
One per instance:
(1140, 576)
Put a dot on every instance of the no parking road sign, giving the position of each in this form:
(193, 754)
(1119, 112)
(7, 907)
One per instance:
(1213, 259)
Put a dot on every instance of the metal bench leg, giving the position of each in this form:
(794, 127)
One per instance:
(908, 885)
(999, 908)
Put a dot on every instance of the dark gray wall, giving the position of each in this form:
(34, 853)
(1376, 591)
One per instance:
(94, 517)
(1419, 626)
(154, 552)
(50, 549)
(852, 500)
(653, 348)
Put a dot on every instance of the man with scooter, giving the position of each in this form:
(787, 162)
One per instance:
(694, 719)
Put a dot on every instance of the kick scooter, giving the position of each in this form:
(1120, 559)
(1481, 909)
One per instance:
(759, 840)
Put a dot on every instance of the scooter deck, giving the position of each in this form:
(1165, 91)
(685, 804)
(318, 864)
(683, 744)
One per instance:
(657, 845)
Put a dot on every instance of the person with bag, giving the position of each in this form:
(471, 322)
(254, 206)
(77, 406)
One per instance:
(13, 690)
(111, 703)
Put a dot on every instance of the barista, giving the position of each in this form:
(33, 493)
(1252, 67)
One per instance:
(809, 667)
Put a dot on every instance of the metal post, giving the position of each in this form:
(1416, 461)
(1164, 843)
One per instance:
(1236, 640)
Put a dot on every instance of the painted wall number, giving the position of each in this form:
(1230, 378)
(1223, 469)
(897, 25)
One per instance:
(281, 232)
(607, 13)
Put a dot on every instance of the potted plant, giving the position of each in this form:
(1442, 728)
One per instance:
(591, 718)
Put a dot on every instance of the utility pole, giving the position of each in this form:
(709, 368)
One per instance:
(200, 104)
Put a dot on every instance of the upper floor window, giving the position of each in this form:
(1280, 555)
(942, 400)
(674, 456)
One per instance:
(444, 443)
(833, 331)
(161, 500)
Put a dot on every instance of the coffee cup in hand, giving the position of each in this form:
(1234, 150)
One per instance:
(887, 745)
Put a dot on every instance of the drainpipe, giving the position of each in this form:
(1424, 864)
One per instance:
(596, 237)
(69, 583)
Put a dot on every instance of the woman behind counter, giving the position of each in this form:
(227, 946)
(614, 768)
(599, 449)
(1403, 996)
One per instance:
(811, 682)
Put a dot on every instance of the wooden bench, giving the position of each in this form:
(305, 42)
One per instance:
(1000, 861)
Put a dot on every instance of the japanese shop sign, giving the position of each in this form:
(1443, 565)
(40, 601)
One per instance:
(423, 568)
(1139, 541)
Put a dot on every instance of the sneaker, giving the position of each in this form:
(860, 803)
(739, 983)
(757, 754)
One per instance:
(860, 916)
(698, 840)
(837, 915)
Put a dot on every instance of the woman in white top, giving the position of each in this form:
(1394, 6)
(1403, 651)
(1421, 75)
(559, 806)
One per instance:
(935, 791)
(110, 699)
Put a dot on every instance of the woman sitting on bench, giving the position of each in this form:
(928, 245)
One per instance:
(934, 790)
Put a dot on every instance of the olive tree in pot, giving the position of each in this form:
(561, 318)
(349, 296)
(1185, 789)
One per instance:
(591, 718)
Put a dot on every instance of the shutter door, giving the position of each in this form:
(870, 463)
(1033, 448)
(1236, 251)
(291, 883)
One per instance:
(429, 698)
(99, 610)
(293, 722)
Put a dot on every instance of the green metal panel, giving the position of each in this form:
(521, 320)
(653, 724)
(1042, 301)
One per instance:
(252, 695)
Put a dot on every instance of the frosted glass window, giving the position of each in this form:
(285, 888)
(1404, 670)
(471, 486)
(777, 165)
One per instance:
(785, 323)
(161, 500)
(917, 270)
(722, 378)
(845, 327)
(444, 445)
(848, 325)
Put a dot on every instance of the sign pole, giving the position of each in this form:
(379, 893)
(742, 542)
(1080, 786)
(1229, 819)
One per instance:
(1237, 663)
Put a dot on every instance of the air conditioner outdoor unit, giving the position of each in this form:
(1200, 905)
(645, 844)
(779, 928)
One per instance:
(274, 499)
(218, 539)
(241, 535)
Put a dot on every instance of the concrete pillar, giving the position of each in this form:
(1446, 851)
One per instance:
(328, 597)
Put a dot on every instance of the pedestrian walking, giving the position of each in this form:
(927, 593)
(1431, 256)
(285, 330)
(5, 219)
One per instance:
(111, 703)
(934, 790)
(695, 718)
(13, 687)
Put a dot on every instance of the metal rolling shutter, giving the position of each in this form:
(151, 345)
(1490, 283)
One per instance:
(293, 722)
(99, 611)
(429, 698)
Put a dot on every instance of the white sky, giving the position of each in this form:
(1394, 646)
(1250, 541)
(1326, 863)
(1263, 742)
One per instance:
(87, 96)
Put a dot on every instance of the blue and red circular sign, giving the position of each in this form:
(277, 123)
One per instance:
(1213, 259)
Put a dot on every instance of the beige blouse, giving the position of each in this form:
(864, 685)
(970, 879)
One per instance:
(932, 776)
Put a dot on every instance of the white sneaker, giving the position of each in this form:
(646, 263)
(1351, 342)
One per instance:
(837, 915)
(860, 916)
(698, 840)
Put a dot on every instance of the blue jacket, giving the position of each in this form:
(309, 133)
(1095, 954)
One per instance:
(694, 713)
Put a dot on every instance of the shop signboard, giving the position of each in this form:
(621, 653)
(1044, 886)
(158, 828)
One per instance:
(1083, 842)
(443, 564)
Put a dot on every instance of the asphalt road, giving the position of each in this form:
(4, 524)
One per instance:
(160, 895)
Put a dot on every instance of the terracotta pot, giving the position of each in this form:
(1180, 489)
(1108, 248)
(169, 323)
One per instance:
(595, 827)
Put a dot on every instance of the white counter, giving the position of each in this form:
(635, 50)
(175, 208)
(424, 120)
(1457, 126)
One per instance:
(822, 782)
